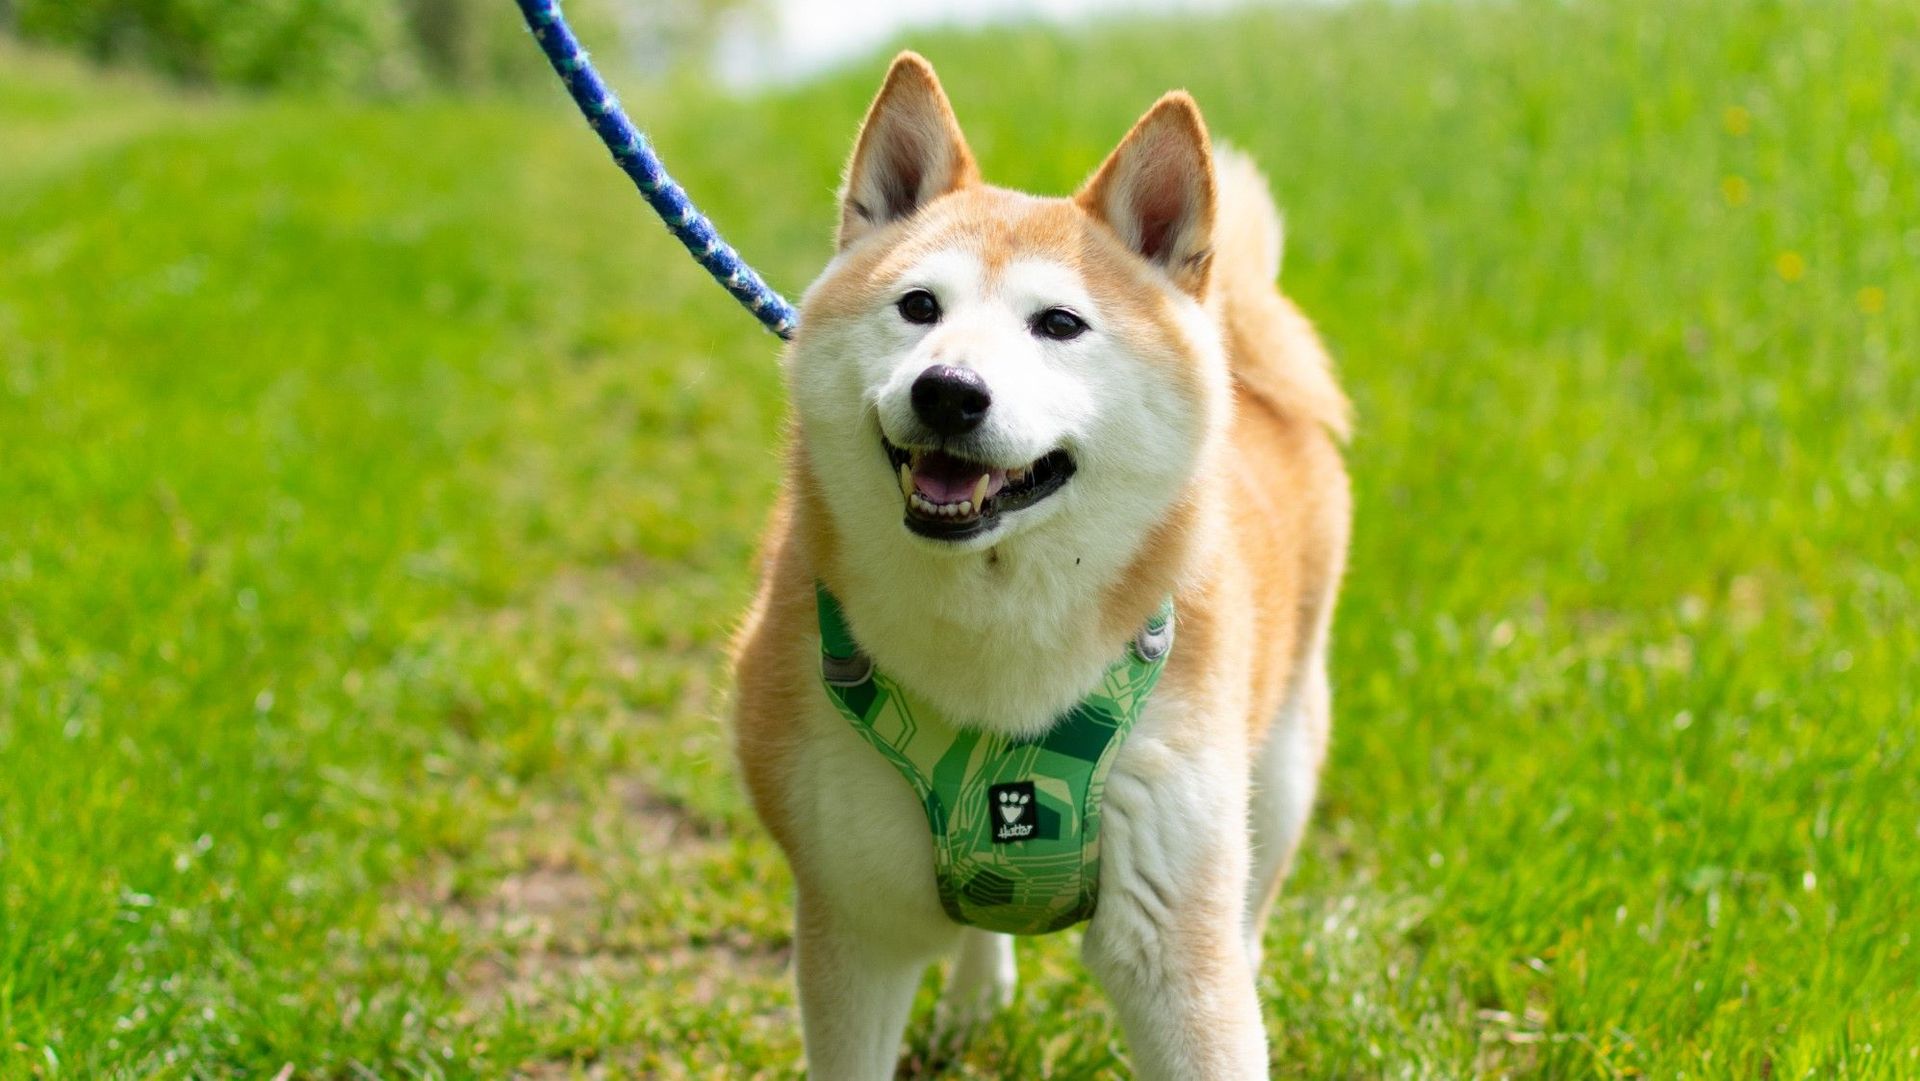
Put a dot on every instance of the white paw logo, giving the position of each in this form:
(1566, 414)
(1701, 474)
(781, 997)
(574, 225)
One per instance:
(1012, 806)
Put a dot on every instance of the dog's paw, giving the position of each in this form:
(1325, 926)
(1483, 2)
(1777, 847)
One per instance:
(981, 984)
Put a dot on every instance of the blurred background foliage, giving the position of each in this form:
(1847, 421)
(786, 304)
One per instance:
(379, 484)
(364, 47)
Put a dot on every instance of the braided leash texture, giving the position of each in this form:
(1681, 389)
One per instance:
(636, 158)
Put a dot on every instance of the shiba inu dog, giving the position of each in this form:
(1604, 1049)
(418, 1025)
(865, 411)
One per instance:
(1020, 426)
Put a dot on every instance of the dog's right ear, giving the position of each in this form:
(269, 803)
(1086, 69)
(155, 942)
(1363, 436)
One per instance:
(910, 152)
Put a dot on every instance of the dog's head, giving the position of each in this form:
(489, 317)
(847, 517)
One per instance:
(977, 365)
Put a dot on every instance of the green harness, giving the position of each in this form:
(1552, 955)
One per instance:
(1015, 821)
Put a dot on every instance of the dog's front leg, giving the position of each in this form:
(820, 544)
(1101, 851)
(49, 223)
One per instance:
(856, 991)
(1166, 940)
(981, 983)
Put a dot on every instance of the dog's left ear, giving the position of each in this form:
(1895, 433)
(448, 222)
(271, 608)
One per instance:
(1157, 191)
(910, 151)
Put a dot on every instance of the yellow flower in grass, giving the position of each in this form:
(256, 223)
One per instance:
(1735, 190)
(1872, 300)
(1791, 265)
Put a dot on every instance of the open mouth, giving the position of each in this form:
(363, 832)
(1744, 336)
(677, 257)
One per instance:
(953, 498)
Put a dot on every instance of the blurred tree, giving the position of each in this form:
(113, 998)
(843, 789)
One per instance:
(479, 43)
(356, 44)
(361, 46)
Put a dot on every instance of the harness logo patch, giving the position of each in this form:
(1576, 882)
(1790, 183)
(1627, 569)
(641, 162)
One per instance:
(1014, 812)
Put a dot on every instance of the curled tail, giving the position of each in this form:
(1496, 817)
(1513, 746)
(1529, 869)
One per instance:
(1274, 350)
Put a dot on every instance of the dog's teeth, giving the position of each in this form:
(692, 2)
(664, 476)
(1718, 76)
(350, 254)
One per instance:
(965, 508)
(906, 480)
(1015, 476)
(980, 491)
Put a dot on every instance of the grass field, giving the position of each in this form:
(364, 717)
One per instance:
(378, 484)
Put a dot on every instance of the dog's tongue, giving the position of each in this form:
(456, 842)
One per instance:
(942, 478)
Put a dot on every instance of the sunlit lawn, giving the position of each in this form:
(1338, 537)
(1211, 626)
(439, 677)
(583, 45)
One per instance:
(378, 485)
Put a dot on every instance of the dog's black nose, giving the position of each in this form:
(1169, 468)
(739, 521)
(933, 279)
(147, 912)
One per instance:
(951, 401)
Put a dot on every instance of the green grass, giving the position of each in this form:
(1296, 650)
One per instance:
(378, 484)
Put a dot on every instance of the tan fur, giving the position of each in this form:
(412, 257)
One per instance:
(1254, 548)
(1169, 140)
(1275, 352)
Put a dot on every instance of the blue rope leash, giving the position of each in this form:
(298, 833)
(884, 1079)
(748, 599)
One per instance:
(635, 156)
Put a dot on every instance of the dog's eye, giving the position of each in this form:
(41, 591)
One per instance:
(1059, 324)
(919, 306)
